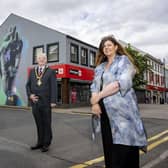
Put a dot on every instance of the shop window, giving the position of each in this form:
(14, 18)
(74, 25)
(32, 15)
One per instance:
(53, 52)
(36, 51)
(84, 56)
(74, 53)
(79, 93)
(92, 58)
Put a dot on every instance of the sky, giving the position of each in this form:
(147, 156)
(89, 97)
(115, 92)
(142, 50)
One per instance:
(143, 24)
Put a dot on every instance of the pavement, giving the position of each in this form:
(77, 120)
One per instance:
(158, 111)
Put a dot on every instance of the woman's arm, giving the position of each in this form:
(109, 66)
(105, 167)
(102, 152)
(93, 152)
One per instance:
(125, 75)
(109, 90)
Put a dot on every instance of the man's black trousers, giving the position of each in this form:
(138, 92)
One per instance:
(42, 116)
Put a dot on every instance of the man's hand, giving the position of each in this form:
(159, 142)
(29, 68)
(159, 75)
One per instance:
(96, 109)
(34, 98)
(53, 105)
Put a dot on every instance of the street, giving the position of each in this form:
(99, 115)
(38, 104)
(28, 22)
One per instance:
(72, 145)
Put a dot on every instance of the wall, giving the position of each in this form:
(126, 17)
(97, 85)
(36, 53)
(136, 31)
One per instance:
(24, 34)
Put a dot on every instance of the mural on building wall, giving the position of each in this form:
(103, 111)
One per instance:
(10, 55)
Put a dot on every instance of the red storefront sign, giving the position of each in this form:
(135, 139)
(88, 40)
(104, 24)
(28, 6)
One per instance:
(151, 87)
(72, 71)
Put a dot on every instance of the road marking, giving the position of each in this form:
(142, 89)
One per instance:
(59, 112)
(89, 163)
(2, 139)
(162, 157)
(157, 136)
(73, 113)
(157, 143)
(149, 148)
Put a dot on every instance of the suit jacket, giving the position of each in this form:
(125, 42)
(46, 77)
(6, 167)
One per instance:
(47, 90)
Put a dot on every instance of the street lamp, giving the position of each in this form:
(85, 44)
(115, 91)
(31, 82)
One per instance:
(164, 64)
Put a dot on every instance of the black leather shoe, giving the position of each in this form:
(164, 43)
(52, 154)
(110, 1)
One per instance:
(44, 148)
(36, 147)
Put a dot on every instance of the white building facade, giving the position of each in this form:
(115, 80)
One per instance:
(156, 84)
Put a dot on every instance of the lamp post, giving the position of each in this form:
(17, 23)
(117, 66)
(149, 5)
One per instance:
(164, 64)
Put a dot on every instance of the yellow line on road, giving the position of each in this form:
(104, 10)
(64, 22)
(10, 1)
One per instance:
(155, 144)
(157, 136)
(88, 163)
(150, 147)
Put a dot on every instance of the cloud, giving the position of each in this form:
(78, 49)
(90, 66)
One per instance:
(142, 23)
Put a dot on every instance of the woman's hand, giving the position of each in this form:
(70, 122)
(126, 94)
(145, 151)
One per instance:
(96, 109)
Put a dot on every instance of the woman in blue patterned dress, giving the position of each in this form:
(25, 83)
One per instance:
(114, 100)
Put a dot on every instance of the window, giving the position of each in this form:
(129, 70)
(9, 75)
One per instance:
(152, 65)
(84, 56)
(74, 53)
(148, 62)
(53, 52)
(155, 66)
(36, 51)
(151, 76)
(92, 58)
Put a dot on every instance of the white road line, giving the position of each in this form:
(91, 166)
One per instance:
(2, 139)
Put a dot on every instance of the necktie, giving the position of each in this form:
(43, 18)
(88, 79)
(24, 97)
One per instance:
(40, 70)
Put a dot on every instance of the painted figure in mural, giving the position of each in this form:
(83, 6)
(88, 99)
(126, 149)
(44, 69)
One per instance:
(41, 89)
(10, 55)
(3, 45)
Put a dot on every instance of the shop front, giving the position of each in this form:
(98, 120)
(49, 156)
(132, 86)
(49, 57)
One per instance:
(155, 94)
(73, 83)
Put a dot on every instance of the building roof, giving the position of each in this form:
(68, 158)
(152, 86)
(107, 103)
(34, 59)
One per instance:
(142, 52)
(66, 35)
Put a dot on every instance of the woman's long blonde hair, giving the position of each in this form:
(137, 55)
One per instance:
(100, 57)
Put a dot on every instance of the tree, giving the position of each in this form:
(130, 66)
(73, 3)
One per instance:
(141, 63)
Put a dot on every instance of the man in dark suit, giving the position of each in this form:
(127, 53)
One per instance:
(41, 90)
